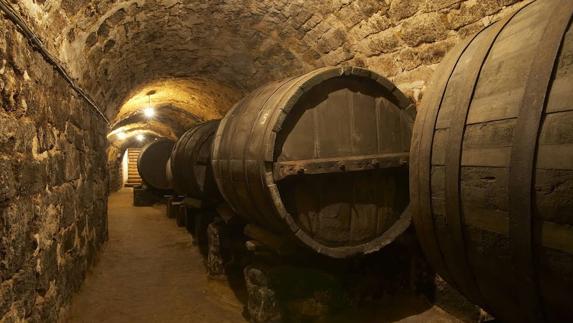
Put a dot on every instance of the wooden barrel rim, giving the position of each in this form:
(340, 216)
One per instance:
(279, 117)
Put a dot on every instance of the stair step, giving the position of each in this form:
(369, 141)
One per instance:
(133, 178)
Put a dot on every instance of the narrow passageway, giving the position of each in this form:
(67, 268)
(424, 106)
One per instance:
(150, 272)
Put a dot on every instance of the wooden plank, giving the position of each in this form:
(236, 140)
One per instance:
(493, 134)
(335, 210)
(486, 157)
(365, 206)
(555, 157)
(553, 189)
(561, 97)
(557, 128)
(500, 89)
(365, 132)
(553, 235)
(333, 126)
(285, 169)
(296, 140)
(391, 128)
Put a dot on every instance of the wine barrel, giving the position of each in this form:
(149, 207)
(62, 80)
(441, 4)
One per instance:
(191, 162)
(169, 173)
(492, 166)
(321, 158)
(152, 162)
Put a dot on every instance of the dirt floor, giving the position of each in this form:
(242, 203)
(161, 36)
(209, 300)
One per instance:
(149, 271)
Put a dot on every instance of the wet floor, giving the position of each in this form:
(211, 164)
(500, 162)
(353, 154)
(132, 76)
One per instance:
(149, 271)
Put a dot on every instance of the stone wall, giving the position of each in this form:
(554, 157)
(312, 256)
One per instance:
(53, 184)
(409, 38)
(115, 174)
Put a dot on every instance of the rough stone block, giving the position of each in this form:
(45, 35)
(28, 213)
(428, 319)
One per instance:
(7, 180)
(375, 24)
(331, 40)
(215, 261)
(401, 9)
(472, 11)
(263, 304)
(384, 64)
(384, 42)
(425, 28)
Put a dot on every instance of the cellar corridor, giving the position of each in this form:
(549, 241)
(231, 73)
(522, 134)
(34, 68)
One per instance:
(277, 161)
(149, 271)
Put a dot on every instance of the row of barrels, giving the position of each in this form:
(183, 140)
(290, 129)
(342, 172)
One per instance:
(333, 160)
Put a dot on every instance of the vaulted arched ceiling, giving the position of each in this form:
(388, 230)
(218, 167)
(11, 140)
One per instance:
(203, 55)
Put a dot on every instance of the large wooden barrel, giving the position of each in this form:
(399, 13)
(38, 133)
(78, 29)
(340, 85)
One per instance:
(321, 157)
(492, 166)
(191, 162)
(168, 173)
(152, 162)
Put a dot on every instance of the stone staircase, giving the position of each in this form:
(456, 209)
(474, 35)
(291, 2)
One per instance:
(133, 178)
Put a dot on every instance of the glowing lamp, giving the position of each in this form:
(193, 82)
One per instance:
(149, 112)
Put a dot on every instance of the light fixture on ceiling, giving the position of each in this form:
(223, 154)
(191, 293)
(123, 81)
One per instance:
(140, 137)
(149, 111)
(122, 135)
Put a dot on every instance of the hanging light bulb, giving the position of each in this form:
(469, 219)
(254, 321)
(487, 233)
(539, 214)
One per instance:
(149, 112)
(140, 137)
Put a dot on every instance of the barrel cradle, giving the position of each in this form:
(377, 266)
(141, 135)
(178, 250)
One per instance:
(321, 158)
(152, 163)
(190, 163)
(492, 166)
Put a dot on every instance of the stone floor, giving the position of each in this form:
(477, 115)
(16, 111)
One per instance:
(149, 271)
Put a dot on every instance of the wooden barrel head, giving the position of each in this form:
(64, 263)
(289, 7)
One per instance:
(340, 162)
(152, 162)
(323, 157)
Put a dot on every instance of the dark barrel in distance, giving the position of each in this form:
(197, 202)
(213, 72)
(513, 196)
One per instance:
(492, 166)
(152, 162)
(322, 158)
(190, 163)
(168, 173)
